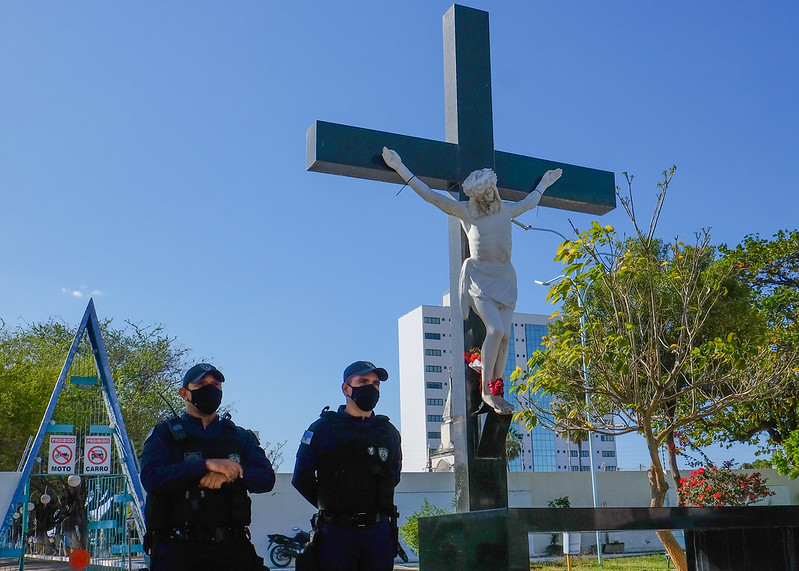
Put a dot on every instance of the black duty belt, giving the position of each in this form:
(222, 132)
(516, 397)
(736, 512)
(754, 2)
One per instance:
(353, 519)
(209, 534)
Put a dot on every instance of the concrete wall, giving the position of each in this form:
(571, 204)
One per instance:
(283, 508)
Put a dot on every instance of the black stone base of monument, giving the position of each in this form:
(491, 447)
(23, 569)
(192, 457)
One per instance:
(493, 435)
(766, 549)
(474, 540)
(751, 538)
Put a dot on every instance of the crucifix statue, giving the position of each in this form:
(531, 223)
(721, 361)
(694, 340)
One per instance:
(480, 467)
(487, 283)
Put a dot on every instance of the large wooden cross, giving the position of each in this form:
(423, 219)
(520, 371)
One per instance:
(352, 151)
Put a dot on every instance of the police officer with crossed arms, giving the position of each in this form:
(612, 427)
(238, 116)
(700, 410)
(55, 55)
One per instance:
(197, 470)
(348, 465)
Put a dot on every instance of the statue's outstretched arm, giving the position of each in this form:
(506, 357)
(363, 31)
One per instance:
(443, 202)
(533, 198)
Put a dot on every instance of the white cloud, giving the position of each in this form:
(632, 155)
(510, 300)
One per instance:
(80, 293)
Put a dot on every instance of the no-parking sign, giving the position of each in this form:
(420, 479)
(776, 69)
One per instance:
(97, 455)
(62, 454)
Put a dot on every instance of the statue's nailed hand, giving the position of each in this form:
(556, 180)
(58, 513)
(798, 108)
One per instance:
(549, 178)
(392, 158)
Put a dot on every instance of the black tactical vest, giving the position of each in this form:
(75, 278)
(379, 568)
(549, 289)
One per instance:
(355, 475)
(194, 508)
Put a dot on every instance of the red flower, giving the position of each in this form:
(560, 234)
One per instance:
(472, 355)
(721, 486)
(497, 387)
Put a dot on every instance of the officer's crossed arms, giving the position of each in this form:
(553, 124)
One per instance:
(220, 471)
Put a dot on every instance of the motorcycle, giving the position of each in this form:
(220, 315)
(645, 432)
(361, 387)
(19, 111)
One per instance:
(282, 549)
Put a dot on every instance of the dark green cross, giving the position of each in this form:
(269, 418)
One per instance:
(481, 478)
(356, 152)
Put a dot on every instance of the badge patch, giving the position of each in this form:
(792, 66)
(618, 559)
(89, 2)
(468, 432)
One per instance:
(371, 450)
(383, 453)
(306, 438)
(188, 456)
(236, 458)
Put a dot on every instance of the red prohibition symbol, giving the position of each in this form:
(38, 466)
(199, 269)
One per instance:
(97, 455)
(62, 455)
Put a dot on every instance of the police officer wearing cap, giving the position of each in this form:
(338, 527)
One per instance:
(348, 465)
(197, 470)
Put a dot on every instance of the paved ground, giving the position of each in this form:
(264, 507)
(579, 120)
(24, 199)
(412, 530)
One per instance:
(44, 565)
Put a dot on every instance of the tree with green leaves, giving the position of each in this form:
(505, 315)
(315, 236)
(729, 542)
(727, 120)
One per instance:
(513, 444)
(146, 365)
(654, 338)
(770, 267)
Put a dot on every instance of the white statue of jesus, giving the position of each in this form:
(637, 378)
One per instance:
(487, 280)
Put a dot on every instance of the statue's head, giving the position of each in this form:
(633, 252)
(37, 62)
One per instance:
(481, 188)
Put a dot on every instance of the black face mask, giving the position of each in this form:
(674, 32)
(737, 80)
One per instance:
(365, 397)
(207, 399)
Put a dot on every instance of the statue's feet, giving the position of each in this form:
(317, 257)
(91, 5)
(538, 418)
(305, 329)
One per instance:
(499, 404)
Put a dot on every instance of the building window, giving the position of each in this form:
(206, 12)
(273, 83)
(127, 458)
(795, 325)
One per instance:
(610, 468)
(607, 437)
(432, 352)
(574, 453)
(435, 385)
(575, 468)
(432, 368)
(584, 453)
(435, 418)
(432, 335)
(434, 435)
(435, 402)
(585, 468)
(608, 453)
(434, 320)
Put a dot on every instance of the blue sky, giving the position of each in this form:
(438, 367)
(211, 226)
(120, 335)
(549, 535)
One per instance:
(153, 155)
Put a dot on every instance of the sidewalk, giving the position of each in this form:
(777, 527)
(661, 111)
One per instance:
(38, 564)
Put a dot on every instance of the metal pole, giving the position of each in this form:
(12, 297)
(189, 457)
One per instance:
(581, 306)
(592, 459)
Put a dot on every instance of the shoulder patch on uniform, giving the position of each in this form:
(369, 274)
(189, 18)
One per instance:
(306, 438)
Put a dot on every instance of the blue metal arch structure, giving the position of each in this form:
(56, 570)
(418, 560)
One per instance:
(90, 326)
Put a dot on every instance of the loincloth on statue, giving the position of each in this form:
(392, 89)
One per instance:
(488, 281)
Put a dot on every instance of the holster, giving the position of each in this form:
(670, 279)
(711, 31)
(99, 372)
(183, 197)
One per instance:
(398, 550)
(308, 558)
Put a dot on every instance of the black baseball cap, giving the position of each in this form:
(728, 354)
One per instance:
(363, 367)
(198, 371)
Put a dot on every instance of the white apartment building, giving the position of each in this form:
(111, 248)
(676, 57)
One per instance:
(424, 362)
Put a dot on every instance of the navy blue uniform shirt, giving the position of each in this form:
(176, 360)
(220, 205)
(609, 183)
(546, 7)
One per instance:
(160, 473)
(318, 440)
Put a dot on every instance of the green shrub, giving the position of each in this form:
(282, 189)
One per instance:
(409, 531)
